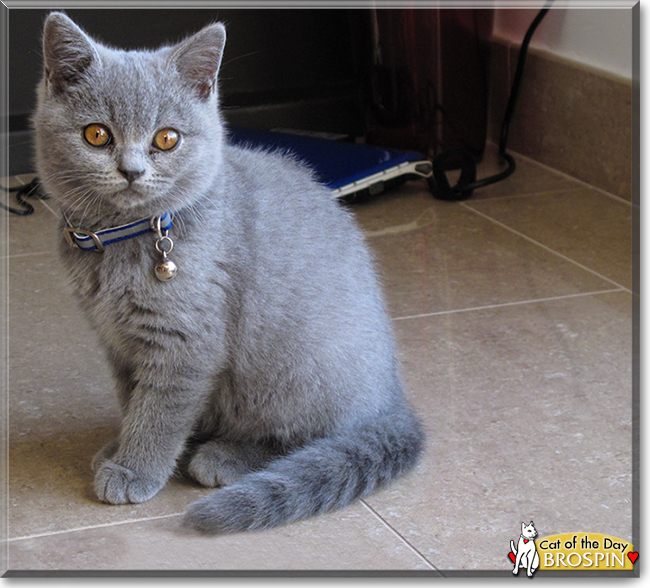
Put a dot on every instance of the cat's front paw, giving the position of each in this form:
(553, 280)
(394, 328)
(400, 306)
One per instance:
(116, 484)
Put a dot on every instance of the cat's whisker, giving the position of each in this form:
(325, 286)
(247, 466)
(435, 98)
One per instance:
(71, 172)
(82, 200)
(99, 208)
(91, 201)
(77, 194)
(19, 143)
(238, 57)
(72, 206)
(191, 209)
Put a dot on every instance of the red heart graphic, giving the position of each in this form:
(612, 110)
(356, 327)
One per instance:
(513, 558)
(633, 555)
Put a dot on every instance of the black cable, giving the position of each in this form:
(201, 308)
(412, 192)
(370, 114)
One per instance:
(450, 160)
(33, 190)
(519, 73)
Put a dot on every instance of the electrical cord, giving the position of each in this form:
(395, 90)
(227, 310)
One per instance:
(462, 159)
(33, 190)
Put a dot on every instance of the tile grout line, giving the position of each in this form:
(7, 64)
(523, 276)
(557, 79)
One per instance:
(545, 247)
(90, 527)
(375, 514)
(582, 183)
(54, 212)
(147, 519)
(528, 194)
(565, 175)
(506, 304)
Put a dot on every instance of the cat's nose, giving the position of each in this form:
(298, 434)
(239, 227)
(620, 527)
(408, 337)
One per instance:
(131, 174)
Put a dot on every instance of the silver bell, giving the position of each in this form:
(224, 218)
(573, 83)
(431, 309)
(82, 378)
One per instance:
(166, 270)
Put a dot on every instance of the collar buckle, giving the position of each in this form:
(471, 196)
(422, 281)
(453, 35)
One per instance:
(69, 232)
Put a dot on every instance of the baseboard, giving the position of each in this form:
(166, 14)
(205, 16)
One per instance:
(569, 116)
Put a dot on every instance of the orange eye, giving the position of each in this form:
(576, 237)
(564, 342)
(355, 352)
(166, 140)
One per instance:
(97, 135)
(166, 139)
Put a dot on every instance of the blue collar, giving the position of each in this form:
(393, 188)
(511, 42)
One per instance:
(89, 241)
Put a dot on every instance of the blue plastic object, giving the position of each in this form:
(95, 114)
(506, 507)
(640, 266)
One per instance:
(336, 163)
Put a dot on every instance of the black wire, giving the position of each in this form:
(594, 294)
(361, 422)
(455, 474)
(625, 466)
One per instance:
(33, 190)
(510, 109)
(516, 84)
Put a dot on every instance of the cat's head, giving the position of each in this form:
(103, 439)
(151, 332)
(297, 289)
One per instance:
(528, 531)
(126, 133)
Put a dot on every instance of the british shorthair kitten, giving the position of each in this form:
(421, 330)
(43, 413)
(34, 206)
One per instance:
(257, 356)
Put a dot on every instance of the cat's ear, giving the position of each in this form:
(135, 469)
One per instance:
(198, 58)
(67, 52)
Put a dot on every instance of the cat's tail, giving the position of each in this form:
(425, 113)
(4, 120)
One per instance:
(326, 474)
(512, 547)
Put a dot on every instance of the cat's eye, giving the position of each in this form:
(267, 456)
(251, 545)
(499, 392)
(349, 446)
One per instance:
(97, 135)
(166, 139)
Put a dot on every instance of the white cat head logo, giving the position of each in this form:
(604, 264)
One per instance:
(525, 554)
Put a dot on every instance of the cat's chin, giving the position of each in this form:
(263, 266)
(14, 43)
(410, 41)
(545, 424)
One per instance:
(131, 200)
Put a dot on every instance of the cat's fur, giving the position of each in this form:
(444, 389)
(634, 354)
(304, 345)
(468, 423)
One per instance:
(268, 365)
(526, 550)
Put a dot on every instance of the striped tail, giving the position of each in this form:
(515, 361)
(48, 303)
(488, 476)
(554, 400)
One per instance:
(326, 474)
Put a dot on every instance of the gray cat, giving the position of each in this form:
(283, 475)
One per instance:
(266, 366)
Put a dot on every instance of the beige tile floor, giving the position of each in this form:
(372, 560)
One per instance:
(512, 312)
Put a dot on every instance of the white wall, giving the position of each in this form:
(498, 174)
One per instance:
(601, 38)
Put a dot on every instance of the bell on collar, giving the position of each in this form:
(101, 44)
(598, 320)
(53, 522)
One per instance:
(166, 270)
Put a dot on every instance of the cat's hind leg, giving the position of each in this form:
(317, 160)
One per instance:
(220, 462)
